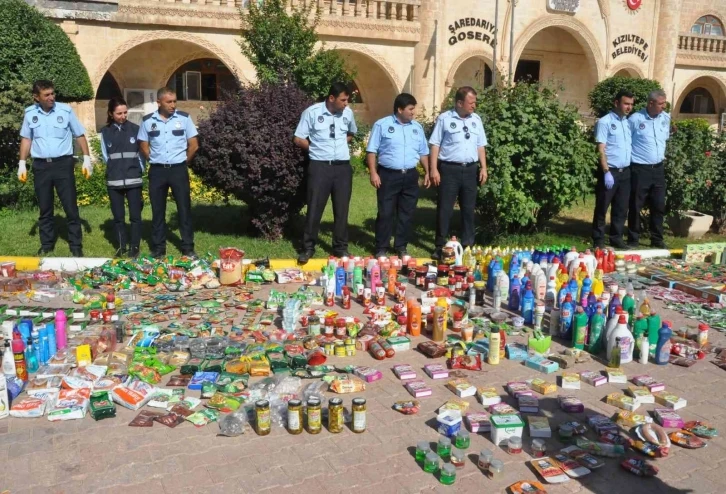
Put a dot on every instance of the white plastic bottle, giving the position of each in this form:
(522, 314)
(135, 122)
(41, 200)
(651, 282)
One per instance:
(621, 335)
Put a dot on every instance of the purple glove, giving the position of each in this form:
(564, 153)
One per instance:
(609, 181)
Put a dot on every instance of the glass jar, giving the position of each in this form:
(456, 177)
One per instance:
(448, 474)
(335, 415)
(314, 416)
(496, 469)
(359, 415)
(262, 417)
(458, 458)
(431, 463)
(422, 449)
(463, 440)
(538, 448)
(514, 445)
(444, 447)
(294, 417)
(485, 458)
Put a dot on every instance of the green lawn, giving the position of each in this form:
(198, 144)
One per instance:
(224, 225)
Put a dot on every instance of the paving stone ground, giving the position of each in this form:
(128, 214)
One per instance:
(84, 456)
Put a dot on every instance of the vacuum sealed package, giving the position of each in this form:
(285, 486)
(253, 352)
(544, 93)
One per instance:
(71, 404)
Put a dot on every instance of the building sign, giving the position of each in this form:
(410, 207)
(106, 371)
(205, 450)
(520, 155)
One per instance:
(634, 4)
(630, 44)
(480, 30)
(568, 6)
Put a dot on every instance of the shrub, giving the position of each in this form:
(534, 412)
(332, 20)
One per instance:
(246, 150)
(604, 92)
(540, 157)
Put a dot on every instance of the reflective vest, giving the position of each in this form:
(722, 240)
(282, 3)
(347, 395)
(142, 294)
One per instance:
(123, 169)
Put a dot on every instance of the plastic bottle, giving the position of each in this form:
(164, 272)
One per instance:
(60, 329)
(551, 295)
(643, 349)
(579, 333)
(514, 293)
(621, 340)
(566, 317)
(597, 325)
(528, 304)
(663, 348)
(8, 360)
(494, 343)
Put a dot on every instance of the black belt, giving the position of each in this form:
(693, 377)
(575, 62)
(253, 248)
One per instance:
(53, 160)
(646, 165)
(465, 165)
(168, 165)
(331, 162)
(396, 170)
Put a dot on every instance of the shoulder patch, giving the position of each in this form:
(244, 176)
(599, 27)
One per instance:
(146, 117)
(182, 113)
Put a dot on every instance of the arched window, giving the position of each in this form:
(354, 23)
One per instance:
(708, 25)
(699, 101)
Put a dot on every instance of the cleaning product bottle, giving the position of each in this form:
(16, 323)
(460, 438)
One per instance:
(60, 329)
(579, 333)
(494, 343)
(663, 347)
(566, 316)
(551, 295)
(654, 326)
(621, 340)
(8, 360)
(643, 349)
(514, 293)
(528, 304)
(597, 324)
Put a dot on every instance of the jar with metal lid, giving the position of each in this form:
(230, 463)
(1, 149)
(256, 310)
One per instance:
(335, 415)
(314, 416)
(359, 415)
(262, 417)
(294, 417)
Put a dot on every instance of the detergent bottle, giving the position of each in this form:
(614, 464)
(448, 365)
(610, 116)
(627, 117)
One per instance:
(663, 348)
(597, 324)
(566, 317)
(458, 250)
(515, 293)
(551, 295)
(579, 332)
(621, 340)
(528, 304)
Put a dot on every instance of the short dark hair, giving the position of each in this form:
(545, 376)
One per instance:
(338, 88)
(114, 103)
(463, 91)
(42, 85)
(402, 101)
(624, 93)
(164, 90)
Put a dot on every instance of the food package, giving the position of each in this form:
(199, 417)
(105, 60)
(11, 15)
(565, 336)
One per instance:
(71, 404)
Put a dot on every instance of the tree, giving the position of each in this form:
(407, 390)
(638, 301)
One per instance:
(540, 157)
(281, 47)
(246, 150)
(604, 92)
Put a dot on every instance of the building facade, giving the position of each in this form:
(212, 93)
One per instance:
(426, 47)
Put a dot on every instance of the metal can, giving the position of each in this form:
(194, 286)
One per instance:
(359, 415)
(335, 415)
(314, 416)
(294, 417)
(262, 417)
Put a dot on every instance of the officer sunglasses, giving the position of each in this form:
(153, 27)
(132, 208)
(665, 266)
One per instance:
(332, 131)
(467, 135)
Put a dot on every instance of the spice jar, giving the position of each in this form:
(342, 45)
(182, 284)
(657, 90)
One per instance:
(448, 474)
(294, 417)
(485, 458)
(262, 417)
(463, 440)
(538, 448)
(335, 415)
(359, 415)
(458, 458)
(444, 447)
(422, 449)
(314, 416)
(514, 444)
(496, 469)
(431, 463)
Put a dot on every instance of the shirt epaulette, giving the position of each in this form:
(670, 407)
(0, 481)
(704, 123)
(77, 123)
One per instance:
(146, 117)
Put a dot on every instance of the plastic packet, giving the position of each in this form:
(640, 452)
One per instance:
(234, 424)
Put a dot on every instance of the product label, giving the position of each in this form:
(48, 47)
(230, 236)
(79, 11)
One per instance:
(293, 420)
(359, 421)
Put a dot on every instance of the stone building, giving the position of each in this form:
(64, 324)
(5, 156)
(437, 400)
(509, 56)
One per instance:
(132, 47)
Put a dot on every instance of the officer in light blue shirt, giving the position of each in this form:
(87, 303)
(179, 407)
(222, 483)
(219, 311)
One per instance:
(458, 145)
(325, 131)
(168, 141)
(650, 129)
(612, 134)
(47, 136)
(400, 144)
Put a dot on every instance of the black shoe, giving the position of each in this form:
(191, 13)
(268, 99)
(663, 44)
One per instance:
(436, 255)
(133, 252)
(381, 253)
(44, 251)
(77, 252)
(158, 254)
(121, 253)
(305, 256)
(189, 253)
(659, 245)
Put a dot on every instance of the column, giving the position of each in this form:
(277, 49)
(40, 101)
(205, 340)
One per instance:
(666, 48)
(427, 85)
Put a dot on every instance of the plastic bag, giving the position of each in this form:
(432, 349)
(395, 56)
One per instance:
(234, 424)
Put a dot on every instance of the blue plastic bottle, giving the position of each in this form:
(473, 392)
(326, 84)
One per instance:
(515, 289)
(528, 304)
(567, 312)
(663, 348)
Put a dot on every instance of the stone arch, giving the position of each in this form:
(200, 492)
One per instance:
(685, 88)
(632, 69)
(124, 47)
(574, 27)
(375, 57)
(472, 53)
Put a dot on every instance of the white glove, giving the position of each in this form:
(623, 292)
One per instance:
(22, 171)
(87, 167)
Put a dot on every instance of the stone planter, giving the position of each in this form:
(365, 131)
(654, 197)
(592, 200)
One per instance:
(691, 224)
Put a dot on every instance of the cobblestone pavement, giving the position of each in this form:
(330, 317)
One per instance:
(84, 456)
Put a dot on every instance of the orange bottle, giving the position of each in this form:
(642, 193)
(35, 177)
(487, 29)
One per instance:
(392, 276)
(414, 320)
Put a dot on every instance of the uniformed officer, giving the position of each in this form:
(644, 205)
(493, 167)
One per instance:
(168, 142)
(325, 130)
(458, 145)
(47, 132)
(124, 168)
(613, 137)
(399, 142)
(650, 129)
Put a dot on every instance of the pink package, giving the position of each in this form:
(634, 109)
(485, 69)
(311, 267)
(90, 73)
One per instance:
(368, 374)
(668, 418)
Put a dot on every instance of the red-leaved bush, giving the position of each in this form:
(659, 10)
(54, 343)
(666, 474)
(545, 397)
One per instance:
(246, 150)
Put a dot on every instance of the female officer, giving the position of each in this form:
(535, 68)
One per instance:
(124, 169)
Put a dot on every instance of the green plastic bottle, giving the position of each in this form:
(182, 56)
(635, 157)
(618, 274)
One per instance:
(640, 328)
(597, 326)
(654, 325)
(579, 333)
